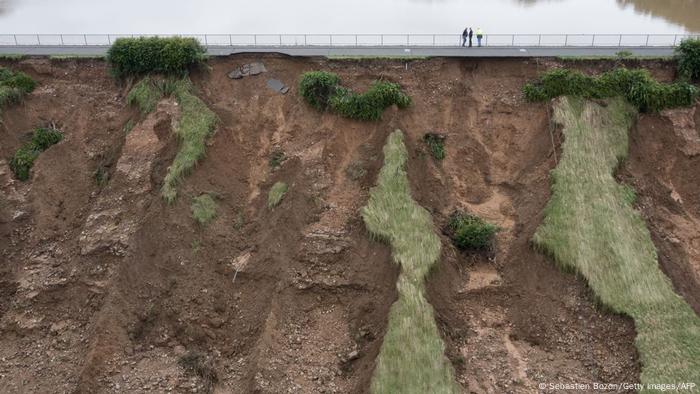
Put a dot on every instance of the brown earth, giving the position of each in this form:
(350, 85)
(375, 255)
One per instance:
(106, 288)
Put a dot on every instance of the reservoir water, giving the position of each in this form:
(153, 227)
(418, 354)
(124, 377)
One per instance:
(346, 17)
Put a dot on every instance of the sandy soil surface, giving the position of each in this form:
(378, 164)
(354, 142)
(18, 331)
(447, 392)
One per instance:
(106, 288)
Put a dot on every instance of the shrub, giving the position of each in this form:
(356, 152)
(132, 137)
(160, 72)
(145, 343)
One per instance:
(14, 85)
(159, 55)
(276, 194)
(470, 232)
(23, 160)
(317, 88)
(203, 209)
(688, 56)
(322, 91)
(637, 86)
(436, 145)
(198, 364)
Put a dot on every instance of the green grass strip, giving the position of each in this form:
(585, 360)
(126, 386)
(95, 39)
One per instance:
(197, 122)
(591, 227)
(145, 95)
(412, 357)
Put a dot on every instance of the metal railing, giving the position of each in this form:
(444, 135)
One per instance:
(364, 40)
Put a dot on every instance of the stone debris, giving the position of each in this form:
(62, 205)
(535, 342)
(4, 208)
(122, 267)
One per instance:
(277, 86)
(247, 69)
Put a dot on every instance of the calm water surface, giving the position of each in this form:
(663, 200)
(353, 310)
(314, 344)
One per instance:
(344, 17)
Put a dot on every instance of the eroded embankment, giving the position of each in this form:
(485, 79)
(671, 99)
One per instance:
(590, 226)
(291, 298)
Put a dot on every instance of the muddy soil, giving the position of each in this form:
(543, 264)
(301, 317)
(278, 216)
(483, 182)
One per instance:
(663, 168)
(106, 288)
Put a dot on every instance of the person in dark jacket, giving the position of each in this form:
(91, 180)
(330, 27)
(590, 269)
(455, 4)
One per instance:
(471, 33)
(465, 34)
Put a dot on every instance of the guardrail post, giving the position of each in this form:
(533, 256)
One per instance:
(433, 39)
(230, 41)
(206, 42)
(675, 40)
(330, 39)
(255, 39)
(38, 40)
(355, 39)
(109, 39)
(512, 41)
(619, 43)
(85, 39)
(381, 37)
(15, 36)
(593, 41)
(566, 40)
(539, 41)
(647, 44)
(61, 35)
(305, 40)
(280, 40)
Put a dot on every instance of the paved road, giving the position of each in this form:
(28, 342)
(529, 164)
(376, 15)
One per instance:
(339, 51)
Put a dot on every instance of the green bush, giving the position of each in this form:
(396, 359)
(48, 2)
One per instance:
(436, 145)
(637, 86)
(23, 160)
(688, 56)
(470, 232)
(317, 88)
(14, 85)
(158, 55)
(322, 91)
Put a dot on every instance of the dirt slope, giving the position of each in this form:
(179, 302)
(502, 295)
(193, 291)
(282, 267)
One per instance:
(107, 288)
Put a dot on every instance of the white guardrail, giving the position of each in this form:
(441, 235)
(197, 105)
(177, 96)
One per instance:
(364, 40)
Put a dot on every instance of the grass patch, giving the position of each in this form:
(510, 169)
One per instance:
(412, 357)
(23, 160)
(203, 209)
(322, 91)
(145, 95)
(101, 176)
(436, 145)
(637, 86)
(197, 123)
(13, 86)
(277, 192)
(154, 55)
(591, 228)
(470, 232)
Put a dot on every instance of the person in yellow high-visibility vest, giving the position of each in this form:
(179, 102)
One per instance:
(479, 35)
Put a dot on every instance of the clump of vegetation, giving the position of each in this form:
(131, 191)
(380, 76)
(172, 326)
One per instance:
(591, 227)
(198, 364)
(276, 158)
(101, 176)
(145, 95)
(197, 123)
(13, 86)
(24, 158)
(203, 209)
(322, 90)
(470, 231)
(688, 56)
(277, 192)
(436, 145)
(412, 356)
(637, 86)
(154, 55)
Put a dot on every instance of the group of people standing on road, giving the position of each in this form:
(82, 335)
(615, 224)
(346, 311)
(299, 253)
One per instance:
(467, 35)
